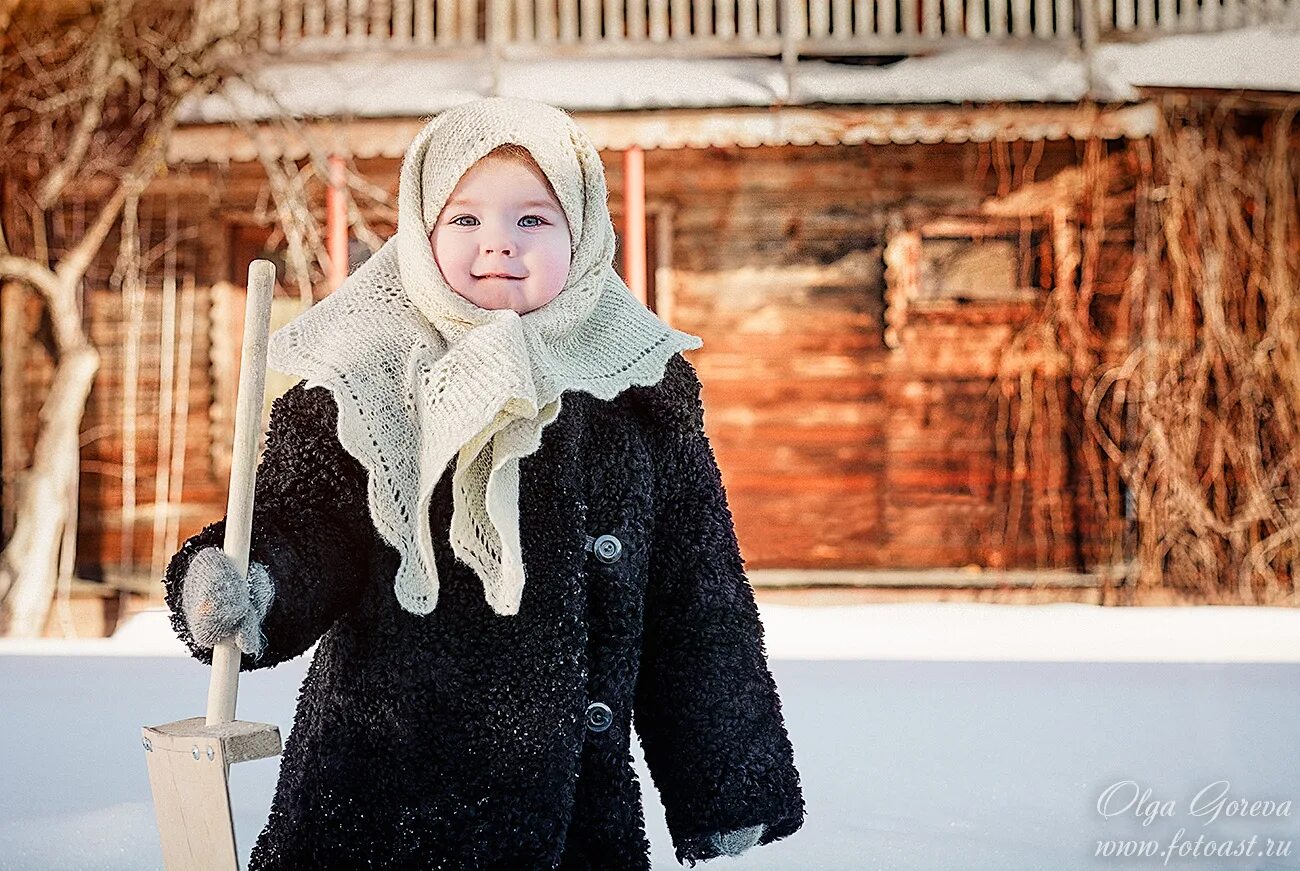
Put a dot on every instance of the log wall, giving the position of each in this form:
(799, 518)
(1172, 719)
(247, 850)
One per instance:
(837, 449)
(847, 436)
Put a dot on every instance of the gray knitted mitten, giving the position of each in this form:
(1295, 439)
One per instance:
(736, 842)
(218, 603)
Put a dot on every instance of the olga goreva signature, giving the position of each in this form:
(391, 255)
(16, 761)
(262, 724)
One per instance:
(1213, 802)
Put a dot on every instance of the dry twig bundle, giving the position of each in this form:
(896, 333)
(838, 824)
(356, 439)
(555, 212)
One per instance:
(1181, 402)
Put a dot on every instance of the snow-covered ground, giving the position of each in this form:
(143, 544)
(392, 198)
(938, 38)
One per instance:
(965, 631)
(1262, 57)
(936, 737)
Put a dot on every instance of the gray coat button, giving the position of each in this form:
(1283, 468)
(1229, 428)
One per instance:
(607, 548)
(599, 716)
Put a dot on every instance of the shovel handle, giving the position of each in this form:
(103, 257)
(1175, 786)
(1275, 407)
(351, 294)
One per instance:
(224, 685)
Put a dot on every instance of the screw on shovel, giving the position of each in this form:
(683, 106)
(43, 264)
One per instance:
(189, 760)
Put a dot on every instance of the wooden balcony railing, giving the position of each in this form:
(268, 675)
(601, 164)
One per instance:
(1158, 17)
(715, 28)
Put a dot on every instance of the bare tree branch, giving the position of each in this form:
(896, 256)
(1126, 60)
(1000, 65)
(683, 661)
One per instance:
(101, 83)
(40, 277)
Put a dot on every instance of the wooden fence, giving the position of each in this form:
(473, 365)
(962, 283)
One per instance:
(714, 28)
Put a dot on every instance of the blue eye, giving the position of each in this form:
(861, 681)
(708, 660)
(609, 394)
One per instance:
(457, 220)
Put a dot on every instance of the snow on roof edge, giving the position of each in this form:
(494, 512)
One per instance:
(1263, 57)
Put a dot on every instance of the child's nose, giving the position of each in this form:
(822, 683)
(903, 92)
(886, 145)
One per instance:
(498, 242)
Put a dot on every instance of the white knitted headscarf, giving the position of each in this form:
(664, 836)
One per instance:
(421, 375)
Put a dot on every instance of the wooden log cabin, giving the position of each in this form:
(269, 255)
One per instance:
(816, 187)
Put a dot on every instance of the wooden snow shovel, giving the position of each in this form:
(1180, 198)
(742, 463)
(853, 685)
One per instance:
(189, 760)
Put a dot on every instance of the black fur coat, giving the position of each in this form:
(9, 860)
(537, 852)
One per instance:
(466, 739)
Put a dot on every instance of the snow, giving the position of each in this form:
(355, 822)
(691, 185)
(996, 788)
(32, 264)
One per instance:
(376, 85)
(1260, 58)
(971, 74)
(935, 737)
(950, 631)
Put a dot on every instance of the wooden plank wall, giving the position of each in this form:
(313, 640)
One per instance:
(101, 542)
(100, 532)
(837, 450)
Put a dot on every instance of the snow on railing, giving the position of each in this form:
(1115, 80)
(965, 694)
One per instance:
(712, 28)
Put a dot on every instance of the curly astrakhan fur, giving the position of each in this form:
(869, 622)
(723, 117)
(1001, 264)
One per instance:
(460, 739)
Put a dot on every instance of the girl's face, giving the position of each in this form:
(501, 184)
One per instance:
(502, 240)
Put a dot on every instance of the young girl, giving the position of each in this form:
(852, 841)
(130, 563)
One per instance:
(492, 502)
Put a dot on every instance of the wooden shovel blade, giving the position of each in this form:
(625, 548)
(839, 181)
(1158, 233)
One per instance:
(189, 766)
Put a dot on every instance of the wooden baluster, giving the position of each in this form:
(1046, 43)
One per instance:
(1167, 14)
(589, 20)
(864, 19)
(357, 23)
(525, 22)
(952, 23)
(291, 23)
(725, 19)
(888, 18)
(615, 26)
(930, 18)
(1105, 15)
(841, 20)
(1064, 19)
(1020, 17)
(679, 12)
(997, 18)
(794, 33)
(313, 21)
(469, 21)
(1043, 18)
(819, 14)
(746, 19)
(798, 18)
(424, 22)
(658, 21)
(635, 21)
(444, 22)
(1206, 17)
(381, 21)
(337, 20)
(910, 11)
(1125, 14)
(496, 26)
(402, 22)
(568, 22)
(1146, 12)
(270, 25)
(701, 15)
(548, 28)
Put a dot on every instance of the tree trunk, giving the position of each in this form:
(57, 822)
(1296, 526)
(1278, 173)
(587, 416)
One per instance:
(28, 565)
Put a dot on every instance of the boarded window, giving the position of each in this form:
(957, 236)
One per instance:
(982, 262)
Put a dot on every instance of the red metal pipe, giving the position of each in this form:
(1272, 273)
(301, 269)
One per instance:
(634, 242)
(336, 222)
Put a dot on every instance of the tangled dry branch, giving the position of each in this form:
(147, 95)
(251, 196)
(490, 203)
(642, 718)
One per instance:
(1184, 393)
